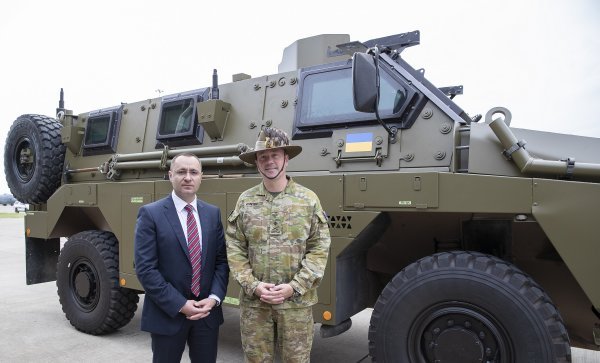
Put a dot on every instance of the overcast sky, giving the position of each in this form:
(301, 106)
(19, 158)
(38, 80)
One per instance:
(540, 59)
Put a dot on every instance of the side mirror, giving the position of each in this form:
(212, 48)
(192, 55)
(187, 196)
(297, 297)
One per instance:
(364, 82)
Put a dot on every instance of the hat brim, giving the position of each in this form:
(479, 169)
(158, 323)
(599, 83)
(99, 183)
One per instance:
(250, 156)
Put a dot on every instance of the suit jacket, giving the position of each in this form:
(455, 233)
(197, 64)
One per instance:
(162, 264)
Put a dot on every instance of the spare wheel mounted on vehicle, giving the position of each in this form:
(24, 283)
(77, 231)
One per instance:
(33, 158)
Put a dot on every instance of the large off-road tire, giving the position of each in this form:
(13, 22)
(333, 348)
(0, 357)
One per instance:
(466, 307)
(88, 284)
(33, 158)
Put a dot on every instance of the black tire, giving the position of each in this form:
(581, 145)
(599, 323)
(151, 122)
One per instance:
(466, 307)
(33, 158)
(88, 284)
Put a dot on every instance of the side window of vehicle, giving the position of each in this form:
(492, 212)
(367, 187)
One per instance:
(178, 124)
(325, 101)
(102, 131)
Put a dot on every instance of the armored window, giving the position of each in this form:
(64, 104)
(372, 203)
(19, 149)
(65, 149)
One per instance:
(325, 101)
(178, 119)
(101, 131)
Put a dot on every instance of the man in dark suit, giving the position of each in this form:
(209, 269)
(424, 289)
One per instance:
(181, 261)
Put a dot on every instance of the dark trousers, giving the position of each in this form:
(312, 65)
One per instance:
(202, 343)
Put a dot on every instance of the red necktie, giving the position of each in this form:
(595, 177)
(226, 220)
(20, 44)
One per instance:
(194, 247)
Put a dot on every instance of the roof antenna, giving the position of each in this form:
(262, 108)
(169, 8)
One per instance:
(61, 104)
(215, 86)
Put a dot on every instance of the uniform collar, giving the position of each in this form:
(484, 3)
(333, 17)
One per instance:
(287, 190)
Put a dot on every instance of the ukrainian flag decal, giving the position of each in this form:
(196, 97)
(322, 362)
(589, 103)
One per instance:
(359, 142)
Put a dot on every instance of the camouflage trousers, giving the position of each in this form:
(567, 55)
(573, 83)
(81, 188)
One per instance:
(265, 330)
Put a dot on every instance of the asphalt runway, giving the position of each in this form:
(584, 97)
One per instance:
(33, 327)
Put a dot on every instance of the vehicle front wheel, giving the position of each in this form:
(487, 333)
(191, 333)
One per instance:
(466, 307)
(87, 278)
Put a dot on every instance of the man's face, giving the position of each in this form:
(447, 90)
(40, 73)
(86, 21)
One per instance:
(185, 176)
(270, 162)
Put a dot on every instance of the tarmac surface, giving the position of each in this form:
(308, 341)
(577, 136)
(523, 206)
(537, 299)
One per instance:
(33, 327)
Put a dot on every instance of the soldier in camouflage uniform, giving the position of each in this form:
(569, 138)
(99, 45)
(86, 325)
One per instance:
(277, 247)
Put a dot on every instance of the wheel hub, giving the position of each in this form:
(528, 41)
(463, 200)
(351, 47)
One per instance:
(457, 345)
(24, 164)
(84, 285)
(460, 333)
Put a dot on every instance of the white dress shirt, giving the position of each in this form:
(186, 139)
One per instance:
(182, 214)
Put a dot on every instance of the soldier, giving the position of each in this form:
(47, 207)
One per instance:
(277, 247)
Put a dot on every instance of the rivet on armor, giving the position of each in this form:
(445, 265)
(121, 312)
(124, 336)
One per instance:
(378, 140)
(409, 157)
(446, 128)
(427, 113)
(269, 123)
(284, 103)
(324, 151)
(256, 86)
(138, 139)
(293, 81)
(521, 217)
(282, 82)
(340, 143)
(153, 105)
(252, 124)
(143, 108)
(272, 84)
(440, 155)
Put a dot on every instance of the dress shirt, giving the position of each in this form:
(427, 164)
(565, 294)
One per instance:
(182, 214)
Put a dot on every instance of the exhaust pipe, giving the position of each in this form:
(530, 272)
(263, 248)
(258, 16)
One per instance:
(514, 149)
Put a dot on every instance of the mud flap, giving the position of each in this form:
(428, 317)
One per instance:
(41, 257)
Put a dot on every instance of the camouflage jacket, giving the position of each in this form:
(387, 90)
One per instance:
(282, 239)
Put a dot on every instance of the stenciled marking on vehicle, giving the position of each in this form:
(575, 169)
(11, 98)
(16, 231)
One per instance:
(137, 199)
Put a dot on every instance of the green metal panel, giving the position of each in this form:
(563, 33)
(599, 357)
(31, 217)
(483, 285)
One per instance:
(133, 197)
(404, 190)
(569, 214)
(484, 194)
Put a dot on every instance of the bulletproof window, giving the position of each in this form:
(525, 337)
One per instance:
(102, 131)
(178, 119)
(325, 101)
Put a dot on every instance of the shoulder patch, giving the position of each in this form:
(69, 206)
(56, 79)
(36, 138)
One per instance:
(322, 216)
(233, 216)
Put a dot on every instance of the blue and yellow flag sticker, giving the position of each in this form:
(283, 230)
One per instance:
(359, 142)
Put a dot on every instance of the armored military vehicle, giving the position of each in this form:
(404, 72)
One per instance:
(471, 240)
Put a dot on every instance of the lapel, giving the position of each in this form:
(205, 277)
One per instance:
(173, 220)
(204, 223)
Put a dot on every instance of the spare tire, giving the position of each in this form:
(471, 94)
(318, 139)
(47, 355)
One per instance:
(33, 158)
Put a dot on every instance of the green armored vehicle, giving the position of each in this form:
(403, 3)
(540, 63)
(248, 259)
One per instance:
(471, 240)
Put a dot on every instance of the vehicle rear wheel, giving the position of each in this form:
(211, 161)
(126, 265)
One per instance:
(33, 158)
(466, 307)
(87, 278)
